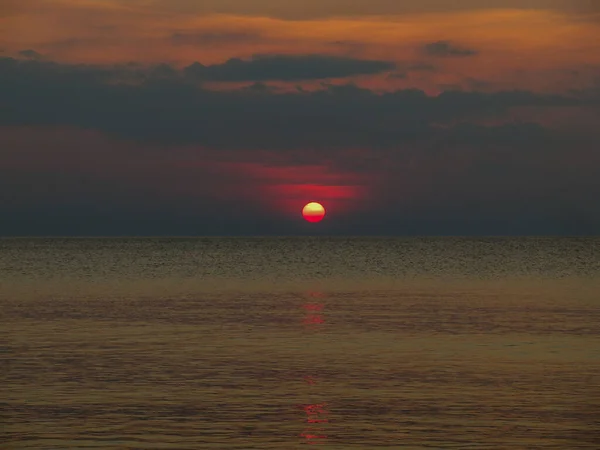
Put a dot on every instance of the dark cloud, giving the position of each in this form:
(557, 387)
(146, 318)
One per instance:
(421, 67)
(403, 70)
(30, 54)
(286, 68)
(446, 49)
(398, 76)
(166, 155)
(511, 179)
(169, 109)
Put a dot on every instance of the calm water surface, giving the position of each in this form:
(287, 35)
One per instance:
(279, 343)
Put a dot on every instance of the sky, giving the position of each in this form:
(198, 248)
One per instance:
(225, 117)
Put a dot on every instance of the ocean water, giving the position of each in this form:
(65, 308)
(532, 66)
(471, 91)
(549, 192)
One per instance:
(280, 343)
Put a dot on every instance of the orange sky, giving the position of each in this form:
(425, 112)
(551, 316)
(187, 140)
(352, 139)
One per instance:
(550, 43)
(287, 146)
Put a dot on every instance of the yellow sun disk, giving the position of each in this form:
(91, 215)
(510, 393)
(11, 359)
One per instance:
(313, 208)
(313, 212)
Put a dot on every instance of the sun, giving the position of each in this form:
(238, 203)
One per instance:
(313, 212)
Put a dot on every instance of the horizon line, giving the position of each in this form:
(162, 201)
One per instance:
(240, 236)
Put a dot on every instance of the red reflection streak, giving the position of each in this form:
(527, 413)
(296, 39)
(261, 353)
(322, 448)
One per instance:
(311, 320)
(310, 380)
(314, 306)
(315, 413)
(317, 408)
(310, 436)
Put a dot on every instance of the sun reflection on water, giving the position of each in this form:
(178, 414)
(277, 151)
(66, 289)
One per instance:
(316, 413)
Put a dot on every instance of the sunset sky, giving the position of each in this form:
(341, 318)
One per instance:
(225, 117)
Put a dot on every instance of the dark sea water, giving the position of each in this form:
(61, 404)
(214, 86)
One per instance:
(279, 343)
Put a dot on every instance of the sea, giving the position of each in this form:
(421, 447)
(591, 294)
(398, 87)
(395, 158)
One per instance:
(288, 342)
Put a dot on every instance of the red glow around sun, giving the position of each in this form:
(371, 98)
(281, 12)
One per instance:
(313, 212)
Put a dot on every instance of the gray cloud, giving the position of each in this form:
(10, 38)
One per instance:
(398, 76)
(286, 68)
(511, 179)
(446, 49)
(30, 54)
(421, 67)
(432, 169)
(163, 106)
